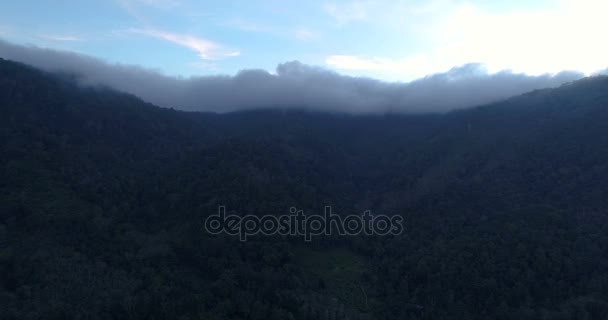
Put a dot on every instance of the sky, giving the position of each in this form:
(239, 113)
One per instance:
(387, 40)
(409, 56)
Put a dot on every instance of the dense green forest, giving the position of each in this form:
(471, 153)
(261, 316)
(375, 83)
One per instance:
(103, 198)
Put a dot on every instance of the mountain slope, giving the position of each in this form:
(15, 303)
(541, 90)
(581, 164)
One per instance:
(103, 198)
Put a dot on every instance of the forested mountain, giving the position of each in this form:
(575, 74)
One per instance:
(103, 199)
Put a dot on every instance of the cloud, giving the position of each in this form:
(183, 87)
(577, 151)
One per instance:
(205, 49)
(349, 62)
(424, 37)
(160, 4)
(304, 34)
(564, 34)
(388, 13)
(349, 12)
(299, 33)
(63, 37)
(294, 85)
(412, 67)
(249, 26)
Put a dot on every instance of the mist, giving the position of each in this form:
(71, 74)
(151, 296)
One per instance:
(293, 85)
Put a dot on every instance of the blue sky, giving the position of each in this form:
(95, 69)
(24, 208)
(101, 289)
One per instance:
(388, 40)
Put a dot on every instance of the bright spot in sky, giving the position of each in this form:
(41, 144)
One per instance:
(566, 36)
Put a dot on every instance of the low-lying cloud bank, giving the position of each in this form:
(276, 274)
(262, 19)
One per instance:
(295, 85)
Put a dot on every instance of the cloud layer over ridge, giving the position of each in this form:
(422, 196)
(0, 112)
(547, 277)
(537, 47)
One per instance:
(294, 85)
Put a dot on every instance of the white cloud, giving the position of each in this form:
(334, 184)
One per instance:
(157, 4)
(566, 36)
(204, 65)
(304, 34)
(63, 37)
(205, 49)
(397, 15)
(233, 54)
(246, 25)
(412, 67)
(352, 11)
(160, 4)
(293, 85)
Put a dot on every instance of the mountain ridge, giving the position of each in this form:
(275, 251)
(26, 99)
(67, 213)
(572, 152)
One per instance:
(103, 198)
